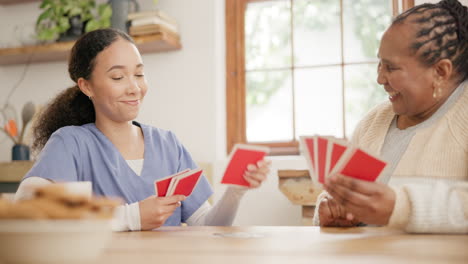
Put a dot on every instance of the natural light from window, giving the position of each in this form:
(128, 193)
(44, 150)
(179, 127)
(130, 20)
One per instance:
(301, 77)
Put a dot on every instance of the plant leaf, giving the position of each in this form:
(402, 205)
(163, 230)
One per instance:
(63, 25)
(45, 15)
(106, 23)
(45, 4)
(91, 25)
(47, 34)
(105, 11)
(74, 11)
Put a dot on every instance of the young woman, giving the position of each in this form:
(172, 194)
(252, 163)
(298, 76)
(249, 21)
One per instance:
(88, 133)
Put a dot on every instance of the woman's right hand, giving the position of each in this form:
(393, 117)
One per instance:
(332, 214)
(154, 210)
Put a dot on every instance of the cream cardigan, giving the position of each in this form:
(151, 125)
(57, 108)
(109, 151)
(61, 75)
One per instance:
(431, 179)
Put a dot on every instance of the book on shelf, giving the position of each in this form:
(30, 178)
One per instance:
(150, 29)
(152, 22)
(144, 21)
(152, 13)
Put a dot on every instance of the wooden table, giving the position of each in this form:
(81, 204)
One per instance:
(301, 244)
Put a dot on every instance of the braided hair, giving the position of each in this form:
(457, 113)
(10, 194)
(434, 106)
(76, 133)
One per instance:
(442, 34)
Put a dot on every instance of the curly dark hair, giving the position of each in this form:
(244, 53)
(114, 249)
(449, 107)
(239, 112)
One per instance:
(442, 34)
(72, 107)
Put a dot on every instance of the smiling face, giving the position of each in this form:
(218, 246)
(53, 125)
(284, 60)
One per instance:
(408, 82)
(117, 84)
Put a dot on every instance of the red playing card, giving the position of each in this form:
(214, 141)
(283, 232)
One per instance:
(321, 158)
(186, 183)
(241, 156)
(337, 151)
(162, 186)
(310, 147)
(309, 150)
(363, 166)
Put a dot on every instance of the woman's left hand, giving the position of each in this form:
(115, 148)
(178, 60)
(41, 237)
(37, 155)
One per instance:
(256, 174)
(371, 202)
(331, 214)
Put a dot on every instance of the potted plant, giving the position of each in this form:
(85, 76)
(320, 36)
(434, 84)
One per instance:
(68, 19)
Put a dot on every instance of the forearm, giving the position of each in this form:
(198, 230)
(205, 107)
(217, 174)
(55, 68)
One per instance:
(431, 206)
(222, 213)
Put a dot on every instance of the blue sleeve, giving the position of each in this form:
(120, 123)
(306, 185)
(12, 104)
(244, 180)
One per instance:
(58, 160)
(203, 189)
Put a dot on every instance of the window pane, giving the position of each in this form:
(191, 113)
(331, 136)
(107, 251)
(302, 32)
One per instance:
(364, 23)
(318, 99)
(316, 32)
(362, 93)
(269, 106)
(268, 35)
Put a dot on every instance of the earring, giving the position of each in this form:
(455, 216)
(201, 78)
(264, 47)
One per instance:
(434, 92)
(437, 90)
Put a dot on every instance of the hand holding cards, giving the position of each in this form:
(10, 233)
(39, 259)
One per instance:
(182, 183)
(326, 156)
(185, 181)
(241, 156)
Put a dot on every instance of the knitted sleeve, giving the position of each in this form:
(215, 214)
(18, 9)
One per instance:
(431, 206)
(316, 217)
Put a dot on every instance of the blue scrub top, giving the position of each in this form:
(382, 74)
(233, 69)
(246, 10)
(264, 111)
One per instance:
(83, 153)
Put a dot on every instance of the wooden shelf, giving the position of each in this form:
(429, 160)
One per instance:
(16, 2)
(59, 51)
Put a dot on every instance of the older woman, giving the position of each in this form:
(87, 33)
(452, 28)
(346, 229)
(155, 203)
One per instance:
(422, 131)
